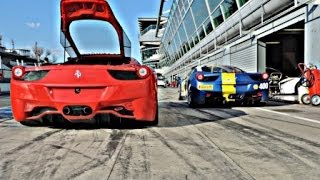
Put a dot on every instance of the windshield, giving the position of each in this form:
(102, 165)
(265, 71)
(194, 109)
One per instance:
(223, 69)
(232, 69)
(95, 37)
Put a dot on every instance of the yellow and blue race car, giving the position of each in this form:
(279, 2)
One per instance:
(223, 84)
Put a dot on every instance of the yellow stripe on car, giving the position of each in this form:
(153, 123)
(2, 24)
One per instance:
(228, 85)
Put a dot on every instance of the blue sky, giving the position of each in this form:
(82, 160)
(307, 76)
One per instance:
(38, 20)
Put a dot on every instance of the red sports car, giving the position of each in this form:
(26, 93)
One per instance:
(88, 87)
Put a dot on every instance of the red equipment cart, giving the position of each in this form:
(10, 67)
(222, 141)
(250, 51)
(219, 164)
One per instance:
(312, 81)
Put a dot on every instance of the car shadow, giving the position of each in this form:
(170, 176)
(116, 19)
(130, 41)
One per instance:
(175, 114)
(123, 125)
(178, 114)
(171, 114)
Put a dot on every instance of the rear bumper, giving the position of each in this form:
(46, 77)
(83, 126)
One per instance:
(245, 91)
(204, 96)
(127, 100)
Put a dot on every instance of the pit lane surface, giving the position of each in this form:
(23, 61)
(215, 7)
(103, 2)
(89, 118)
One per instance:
(279, 141)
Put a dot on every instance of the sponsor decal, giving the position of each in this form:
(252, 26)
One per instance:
(205, 87)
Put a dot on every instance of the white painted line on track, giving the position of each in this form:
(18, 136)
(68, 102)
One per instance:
(285, 114)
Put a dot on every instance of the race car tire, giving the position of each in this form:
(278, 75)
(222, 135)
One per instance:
(305, 99)
(31, 123)
(315, 100)
(259, 103)
(191, 102)
(103, 120)
(58, 121)
(156, 119)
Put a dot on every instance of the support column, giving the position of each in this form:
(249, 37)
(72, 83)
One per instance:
(312, 35)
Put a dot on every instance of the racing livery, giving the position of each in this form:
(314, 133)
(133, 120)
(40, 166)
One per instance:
(222, 84)
(88, 87)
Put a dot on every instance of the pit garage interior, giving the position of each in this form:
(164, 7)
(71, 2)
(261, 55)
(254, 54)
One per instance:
(284, 49)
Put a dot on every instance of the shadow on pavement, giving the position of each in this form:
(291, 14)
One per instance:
(171, 114)
(177, 114)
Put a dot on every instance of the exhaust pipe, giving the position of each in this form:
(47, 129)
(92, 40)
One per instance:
(87, 111)
(66, 110)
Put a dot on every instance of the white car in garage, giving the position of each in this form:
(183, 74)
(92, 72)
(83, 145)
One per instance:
(282, 84)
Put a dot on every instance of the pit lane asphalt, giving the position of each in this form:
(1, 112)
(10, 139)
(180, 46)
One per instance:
(278, 141)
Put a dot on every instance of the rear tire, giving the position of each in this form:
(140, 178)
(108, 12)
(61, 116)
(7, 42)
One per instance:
(259, 103)
(315, 100)
(191, 102)
(305, 99)
(58, 121)
(155, 122)
(31, 123)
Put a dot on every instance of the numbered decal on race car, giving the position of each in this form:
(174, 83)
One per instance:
(264, 85)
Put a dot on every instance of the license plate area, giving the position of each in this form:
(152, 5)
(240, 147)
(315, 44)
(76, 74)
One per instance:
(76, 94)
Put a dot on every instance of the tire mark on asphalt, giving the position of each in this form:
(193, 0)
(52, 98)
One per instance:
(61, 158)
(130, 159)
(174, 150)
(125, 161)
(300, 150)
(34, 140)
(297, 123)
(270, 142)
(9, 157)
(95, 140)
(53, 162)
(281, 134)
(116, 139)
(311, 143)
(146, 155)
(218, 160)
(46, 161)
(117, 156)
(70, 150)
(289, 161)
(234, 167)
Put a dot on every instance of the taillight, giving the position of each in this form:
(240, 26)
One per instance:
(143, 72)
(18, 72)
(265, 76)
(124, 75)
(199, 76)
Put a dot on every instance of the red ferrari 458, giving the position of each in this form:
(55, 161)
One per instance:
(89, 87)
